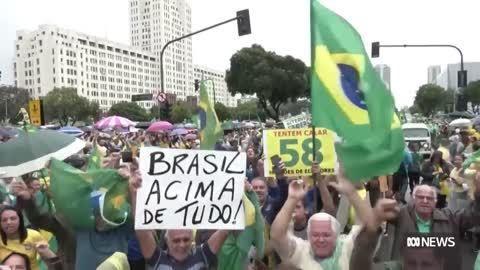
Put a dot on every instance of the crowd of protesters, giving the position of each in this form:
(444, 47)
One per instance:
(335, 224)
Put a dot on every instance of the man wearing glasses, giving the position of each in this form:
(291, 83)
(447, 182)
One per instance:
(421, 216)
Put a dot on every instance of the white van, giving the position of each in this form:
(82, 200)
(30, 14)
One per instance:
(419, 133)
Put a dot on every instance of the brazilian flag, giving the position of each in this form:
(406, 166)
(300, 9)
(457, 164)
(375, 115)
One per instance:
(474, 158)
(83, 196)
(94, 160)
(234, 252)
(349, 98)
(210, 128)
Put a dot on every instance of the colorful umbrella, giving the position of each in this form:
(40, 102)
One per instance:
(8, 132)
(33, 147)
(160, 126)
(179, 126)
(190, 126)
(71, 131)
(114, 122)
(179, 131)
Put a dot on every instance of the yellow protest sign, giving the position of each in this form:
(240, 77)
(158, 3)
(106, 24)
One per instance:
(35, 111)
(295, 147)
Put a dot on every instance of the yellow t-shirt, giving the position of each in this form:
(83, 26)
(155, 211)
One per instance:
(27, 247)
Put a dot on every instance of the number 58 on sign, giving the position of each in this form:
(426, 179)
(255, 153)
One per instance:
(295, 147)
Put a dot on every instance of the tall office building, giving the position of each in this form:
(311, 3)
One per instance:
(384, 72)
(155, 22)
(103, 71)
(221, 93)
(448, 78)
(433, 73)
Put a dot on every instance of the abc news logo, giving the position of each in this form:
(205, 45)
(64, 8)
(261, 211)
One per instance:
(431, 241)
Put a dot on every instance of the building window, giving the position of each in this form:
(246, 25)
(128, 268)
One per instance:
(38, 80)
(39, 90)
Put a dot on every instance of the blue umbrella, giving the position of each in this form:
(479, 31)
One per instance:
(179, 131)
(71, 131)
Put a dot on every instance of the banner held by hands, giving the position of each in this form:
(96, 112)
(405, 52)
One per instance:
(190, 189)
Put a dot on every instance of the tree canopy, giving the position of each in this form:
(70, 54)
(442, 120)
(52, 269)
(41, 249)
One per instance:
(472, 92)
(273, 78)
(129, 110)
(430, 98)
(66, 106)
(180, 113)
(223, 113)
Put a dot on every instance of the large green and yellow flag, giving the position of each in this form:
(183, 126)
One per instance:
(474, 158)
(235, 250)
(210, 128)
(81, 197)
(94, 160)
(349, 98)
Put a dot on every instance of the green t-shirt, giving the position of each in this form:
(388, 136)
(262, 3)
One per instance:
(423, 226)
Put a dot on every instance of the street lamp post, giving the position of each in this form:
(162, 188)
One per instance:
(243, 21)
(461, 75)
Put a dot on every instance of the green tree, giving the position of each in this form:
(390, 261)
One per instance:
(223, 113)
(129, 110)
(430, 98)
(66, 106)
(15, 99)
(180, 112)
(472, 92)
(249, 111)
(295, 108)
(153, 112)
(273, 78)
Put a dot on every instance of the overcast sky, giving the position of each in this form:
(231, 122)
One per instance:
(278, 25)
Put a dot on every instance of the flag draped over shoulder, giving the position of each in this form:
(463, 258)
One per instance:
(210, 128)
(234, 252)
(349, 98)
(83, 196)
(474, 158)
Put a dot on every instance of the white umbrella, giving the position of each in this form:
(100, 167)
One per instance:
(461, 122)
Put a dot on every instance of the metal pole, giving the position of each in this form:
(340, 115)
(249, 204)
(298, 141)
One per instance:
(434, 45)
(183, 37)
(6, 110)
(214, 95)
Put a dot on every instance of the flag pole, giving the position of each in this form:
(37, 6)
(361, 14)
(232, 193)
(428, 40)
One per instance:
(314, 175)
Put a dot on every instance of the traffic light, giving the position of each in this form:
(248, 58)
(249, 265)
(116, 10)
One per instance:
(375, 49)
(197, 85)
(462, 78)
(243, 22)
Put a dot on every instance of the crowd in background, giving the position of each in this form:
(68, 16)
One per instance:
(335, 224)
